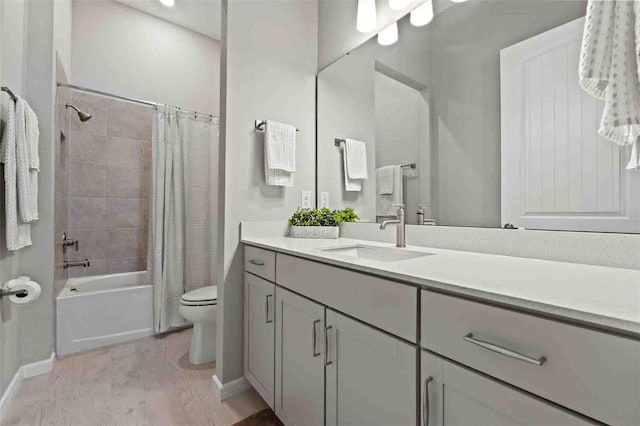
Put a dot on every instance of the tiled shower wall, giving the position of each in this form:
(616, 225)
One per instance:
(62, 180)
(109, 184)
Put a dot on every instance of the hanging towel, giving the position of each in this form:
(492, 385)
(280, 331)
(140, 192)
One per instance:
(384, 180)
(609, 67)
(279, 153)
(18, 234)
(33, 145)
(354, 156)
(384, 202)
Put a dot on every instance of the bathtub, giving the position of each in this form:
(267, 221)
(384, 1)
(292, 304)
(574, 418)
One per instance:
(103, 310)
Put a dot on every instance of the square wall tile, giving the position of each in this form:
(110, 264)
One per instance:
(87, 180)
(125, 212)
(124, 242)
(127, 183)
(92, 243)
(86, 212)
(87, 148)
(123, 152)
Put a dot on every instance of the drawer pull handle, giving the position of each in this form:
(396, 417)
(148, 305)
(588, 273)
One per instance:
(269, 319)
(315, 338)
(504, 351)
(327, 361)
(425, 401)
(256, 262)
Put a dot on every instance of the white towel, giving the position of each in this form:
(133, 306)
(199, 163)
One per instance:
(610, 69)
(384, 202)
(384, 179)
(18, 233)
(279, 153)
(33, 147)
(354, 159)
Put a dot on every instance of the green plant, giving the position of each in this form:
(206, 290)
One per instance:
(322, 217)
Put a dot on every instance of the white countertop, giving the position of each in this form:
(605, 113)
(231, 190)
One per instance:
(603, 297)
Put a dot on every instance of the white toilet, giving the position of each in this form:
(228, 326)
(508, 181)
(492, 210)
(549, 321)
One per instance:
(200, 307)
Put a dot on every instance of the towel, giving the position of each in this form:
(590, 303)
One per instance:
(384, 202)
(384, 180)
(279, 153)
(33, 159)
(354, 156)
(18, 234)
(609, 68)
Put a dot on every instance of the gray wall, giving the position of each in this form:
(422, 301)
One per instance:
(27, 64)
(269, 63)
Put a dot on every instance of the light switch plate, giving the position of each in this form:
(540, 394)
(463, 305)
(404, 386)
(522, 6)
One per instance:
(324, 200)
(306, 199)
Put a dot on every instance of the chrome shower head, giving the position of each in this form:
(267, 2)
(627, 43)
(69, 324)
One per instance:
(83, 116)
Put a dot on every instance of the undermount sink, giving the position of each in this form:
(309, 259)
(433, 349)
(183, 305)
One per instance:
(382, 254)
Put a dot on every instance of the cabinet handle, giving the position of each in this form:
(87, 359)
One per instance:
(425, 401)
(504, 351)
(256, 262)
(269, 319)
(327, 361)
(315, 338)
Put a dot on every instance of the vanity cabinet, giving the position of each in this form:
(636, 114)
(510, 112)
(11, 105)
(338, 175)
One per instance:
(371, 376)
(259, 335)
(452, 395)
(299, 368)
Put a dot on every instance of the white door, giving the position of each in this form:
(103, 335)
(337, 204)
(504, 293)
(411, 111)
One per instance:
(299, 360)
(471, 399)
(259, 335)
(371, 376)
(557, 172)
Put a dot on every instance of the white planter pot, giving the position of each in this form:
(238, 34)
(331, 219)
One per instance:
(314, 231)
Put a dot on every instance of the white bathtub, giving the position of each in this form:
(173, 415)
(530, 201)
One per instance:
(103, 310)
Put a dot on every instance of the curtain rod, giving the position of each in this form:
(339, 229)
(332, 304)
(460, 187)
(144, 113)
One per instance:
(139, 101)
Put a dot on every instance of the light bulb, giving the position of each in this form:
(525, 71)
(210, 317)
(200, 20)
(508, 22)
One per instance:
(422, 14)
(389, 35)
(366, 20)
(398, 4)
(168, 3)
(458, 1)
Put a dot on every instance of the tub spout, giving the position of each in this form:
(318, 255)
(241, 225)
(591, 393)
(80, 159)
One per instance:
(70, 264)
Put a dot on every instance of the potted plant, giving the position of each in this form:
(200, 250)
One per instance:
(323, 223)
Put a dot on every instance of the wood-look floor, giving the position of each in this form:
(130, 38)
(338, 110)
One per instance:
(145, 382)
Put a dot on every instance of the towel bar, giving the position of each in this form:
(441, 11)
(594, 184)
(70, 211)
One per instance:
(259, 125)
(338, 142)
(10, 93)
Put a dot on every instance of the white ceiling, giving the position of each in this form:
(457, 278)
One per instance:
(202, 16)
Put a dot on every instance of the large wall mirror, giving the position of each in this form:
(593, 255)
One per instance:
(479, 117)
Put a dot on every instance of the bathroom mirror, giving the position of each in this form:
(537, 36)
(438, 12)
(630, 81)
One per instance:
(482, 110)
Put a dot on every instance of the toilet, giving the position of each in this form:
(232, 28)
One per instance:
(200, 307)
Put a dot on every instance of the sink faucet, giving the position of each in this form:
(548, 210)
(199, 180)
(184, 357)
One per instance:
(400, 228)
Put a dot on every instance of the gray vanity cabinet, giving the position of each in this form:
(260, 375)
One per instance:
(371, 376)
(259, 345)
(299, 360)
(453, 396)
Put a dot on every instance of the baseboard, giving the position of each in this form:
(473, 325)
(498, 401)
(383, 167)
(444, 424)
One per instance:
(231, 389)
(39, 367)
(25, 371)
(11, 391)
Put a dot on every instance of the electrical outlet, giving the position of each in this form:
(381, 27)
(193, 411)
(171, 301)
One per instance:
(324, 200)
(306, 199)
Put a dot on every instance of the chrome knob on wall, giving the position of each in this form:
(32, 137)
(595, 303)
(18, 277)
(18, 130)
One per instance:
(66, 242)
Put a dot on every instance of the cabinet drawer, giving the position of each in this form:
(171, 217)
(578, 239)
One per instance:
(593, 373)
(388, 305)
(260, 262)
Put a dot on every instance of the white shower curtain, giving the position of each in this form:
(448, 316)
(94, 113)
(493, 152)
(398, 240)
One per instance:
(180, 228)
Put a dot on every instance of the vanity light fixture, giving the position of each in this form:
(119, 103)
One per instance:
(458, 1)
(398, 4)
(366, 19)
(389, 35)
(168, 3)
(422, 14)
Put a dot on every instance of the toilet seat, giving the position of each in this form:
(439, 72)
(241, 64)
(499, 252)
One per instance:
(205, 296)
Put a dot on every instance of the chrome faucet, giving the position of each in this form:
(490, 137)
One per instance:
(400, 228)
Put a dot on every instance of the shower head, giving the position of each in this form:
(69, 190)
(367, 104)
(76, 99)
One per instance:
(83, 116)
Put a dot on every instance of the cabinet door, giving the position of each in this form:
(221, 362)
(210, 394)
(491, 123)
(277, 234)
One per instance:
(471, 399)
(299, 360)
(259, 335)
(371, 376)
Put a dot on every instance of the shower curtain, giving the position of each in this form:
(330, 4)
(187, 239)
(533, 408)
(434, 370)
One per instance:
(180, 219)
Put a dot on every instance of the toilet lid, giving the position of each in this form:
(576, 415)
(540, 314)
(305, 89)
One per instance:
(204, 294)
